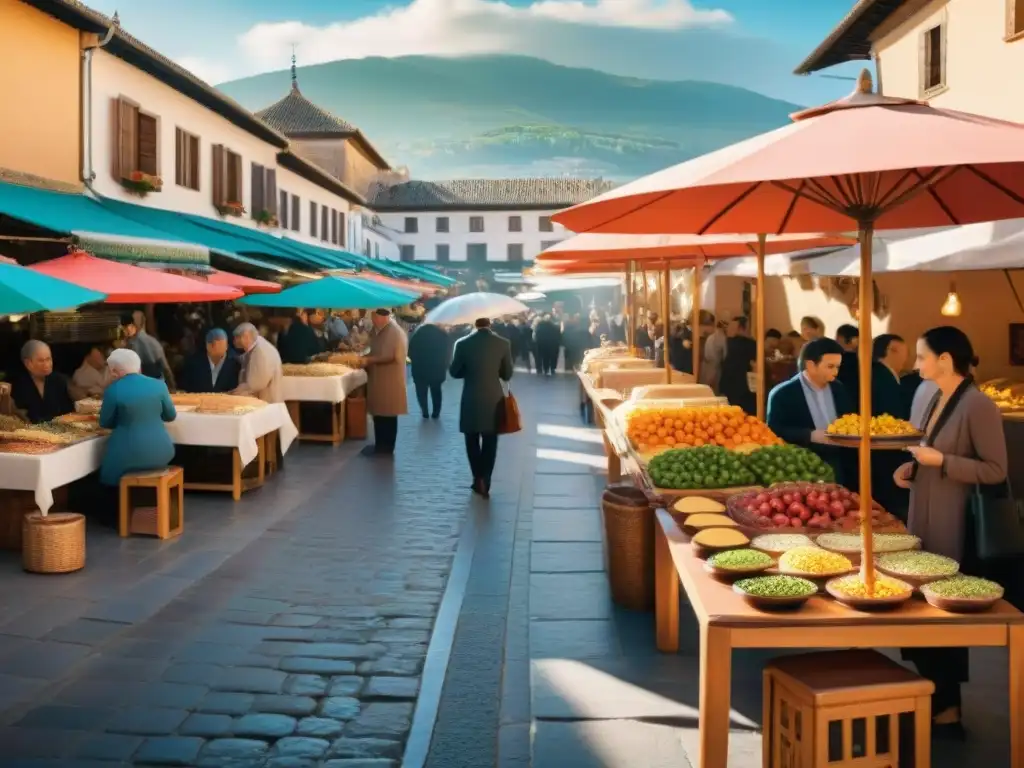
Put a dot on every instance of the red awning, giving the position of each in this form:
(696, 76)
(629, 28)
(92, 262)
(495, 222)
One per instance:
(126, 284)
(424, 289)
(246, 284)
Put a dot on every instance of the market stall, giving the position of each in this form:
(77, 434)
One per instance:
(309, 389)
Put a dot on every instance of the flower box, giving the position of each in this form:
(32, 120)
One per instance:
(231, 208)
(141, 184)
(266, 218)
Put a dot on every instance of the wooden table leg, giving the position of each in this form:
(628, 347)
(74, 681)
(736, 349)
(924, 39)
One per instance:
(295, 414)
(236, 475)
(923, 732)
(261, 459)
(666, 595)
(715, 695)
(1016, 650)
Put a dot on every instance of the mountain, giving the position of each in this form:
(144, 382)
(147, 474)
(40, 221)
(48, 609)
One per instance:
(513, 116)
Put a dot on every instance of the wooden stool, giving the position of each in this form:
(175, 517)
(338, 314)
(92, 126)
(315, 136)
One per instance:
(842, 710)
(168, 517)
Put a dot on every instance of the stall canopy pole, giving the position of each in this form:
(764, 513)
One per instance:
(666, 310)
(630, 341)
(695, 324)
(759, 327)
(866, 305)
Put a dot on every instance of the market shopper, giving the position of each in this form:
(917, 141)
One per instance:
(483, 360)
(93, 375)
(964, 447)
(299, 342)
(261, 371)
(385, 386)
(430, 353)
(41, 393)
(149, 350)
(214, 369)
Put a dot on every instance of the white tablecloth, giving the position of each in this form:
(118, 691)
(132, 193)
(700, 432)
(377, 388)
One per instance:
(41, 474)
(321, 389)
(229, 431)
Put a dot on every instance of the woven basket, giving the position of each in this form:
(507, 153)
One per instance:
(54, 543)
(629, 536)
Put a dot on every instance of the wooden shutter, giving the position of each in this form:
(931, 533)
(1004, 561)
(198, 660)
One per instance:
(236, 177)
(219, 175)
(147, 144)
(342, 236)
(296, 213)
(270, 191)
(325, 225)
(193, 162)
(257, 193)
(126, 145)
(283, 209)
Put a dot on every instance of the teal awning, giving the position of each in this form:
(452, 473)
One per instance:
(335, 292)
(96, 228)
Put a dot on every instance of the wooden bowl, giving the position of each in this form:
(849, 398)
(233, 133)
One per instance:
(869, 603)
(731, 574)
(821, 579)
(961, 604)
(915, 581)
(773, 603)
(701, 518)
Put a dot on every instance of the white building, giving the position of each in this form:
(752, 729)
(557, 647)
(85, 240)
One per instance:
(478, 222)
(212, 157)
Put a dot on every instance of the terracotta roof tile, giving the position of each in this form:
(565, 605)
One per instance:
(486, 193)
(296, 115)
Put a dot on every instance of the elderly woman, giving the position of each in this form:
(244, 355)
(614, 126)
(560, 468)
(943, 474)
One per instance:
(135, 407)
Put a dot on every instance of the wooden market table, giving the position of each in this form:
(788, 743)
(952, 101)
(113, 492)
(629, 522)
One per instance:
(327, 392)
(728, 622)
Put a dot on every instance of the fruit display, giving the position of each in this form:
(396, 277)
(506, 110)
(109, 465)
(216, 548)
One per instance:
(741, 560)
(709, 466)
(852, 587)
(850, 543)
(652, 428)
(917, 565)
(813, 561)
(815, 506)
(1003, 397)
(780, 542)
(884, 426)
(691, 505)
(788, 463)
(776, 587)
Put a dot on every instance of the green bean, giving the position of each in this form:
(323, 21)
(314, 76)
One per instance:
(740, 560)
(777, 586)
(966, 587)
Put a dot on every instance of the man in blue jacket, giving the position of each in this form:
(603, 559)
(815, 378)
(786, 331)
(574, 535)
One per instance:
(812, 400)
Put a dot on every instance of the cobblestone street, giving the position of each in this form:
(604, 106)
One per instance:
(304, 642)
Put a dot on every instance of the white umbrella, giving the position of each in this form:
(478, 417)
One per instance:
(467, 309)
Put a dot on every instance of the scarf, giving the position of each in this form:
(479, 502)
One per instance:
(947, 413)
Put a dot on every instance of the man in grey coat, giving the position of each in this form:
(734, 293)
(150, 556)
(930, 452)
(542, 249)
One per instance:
(484, 360)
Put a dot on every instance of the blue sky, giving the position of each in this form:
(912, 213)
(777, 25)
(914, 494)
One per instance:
(750, 43)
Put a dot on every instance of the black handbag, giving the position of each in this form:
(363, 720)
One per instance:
(998, 521)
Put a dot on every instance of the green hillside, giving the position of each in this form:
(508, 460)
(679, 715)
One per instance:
(517, 116)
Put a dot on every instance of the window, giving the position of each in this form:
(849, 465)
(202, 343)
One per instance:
(515, 252)
(933, 59)
(136, 141)
(325, 223)
(441, 224)
(545, 224)
(334, 227)
(1014, 18)
(476, 254)
(263, 192)
(515, 223)
(408, 253)
(312, 219)
(442, 253)
(342, 239)
(282, 209)
(476, 223)
(376, 249)
(547, 244)
(412, 225)
(366, 249)
(186, 159)
(227, 180)
(296, 212)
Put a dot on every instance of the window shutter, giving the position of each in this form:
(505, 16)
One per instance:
(312, 218)
(193, 162)
(325, 225)
(236, 191)
(283, 209)
(256, 193)
(922, 62)
(126, 120)
(219, 176)
(270, 191)
(342, 239)
(296, 213)
(147, 144)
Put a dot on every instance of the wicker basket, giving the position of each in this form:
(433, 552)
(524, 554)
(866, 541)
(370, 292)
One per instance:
(53, 543)
(629, 537)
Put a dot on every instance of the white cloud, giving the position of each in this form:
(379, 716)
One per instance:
(206, 69)
(464, 27)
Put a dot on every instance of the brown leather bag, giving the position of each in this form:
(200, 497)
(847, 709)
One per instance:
(509, 421)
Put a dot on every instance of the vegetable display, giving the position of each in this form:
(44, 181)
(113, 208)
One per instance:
(740, 560)
(657, 428)
(788, 463)
(814, 506)
(918, 564)
(709, 466)
(965, 588)
(882, 542)
(813, 561)
(777, 586)
(881, 426)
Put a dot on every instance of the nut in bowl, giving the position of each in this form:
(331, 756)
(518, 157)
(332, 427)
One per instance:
(962, 594)
(916, 567)
(852, 591)
(777, 592)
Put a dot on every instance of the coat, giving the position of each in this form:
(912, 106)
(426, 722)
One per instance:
(298, 343)
(261, 372)
(430, 352)
(974, 447)
(197, 376)
(135, 407)
(385, 386)
(789, 417)
(483, 360)
(740, 354)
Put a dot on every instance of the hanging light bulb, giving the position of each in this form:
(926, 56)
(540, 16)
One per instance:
(951, 306)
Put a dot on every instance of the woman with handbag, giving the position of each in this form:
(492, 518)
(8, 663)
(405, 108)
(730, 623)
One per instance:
(963, 449)
(483, 360)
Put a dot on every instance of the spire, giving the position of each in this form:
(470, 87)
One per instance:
(116, 19)
(295, 74)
